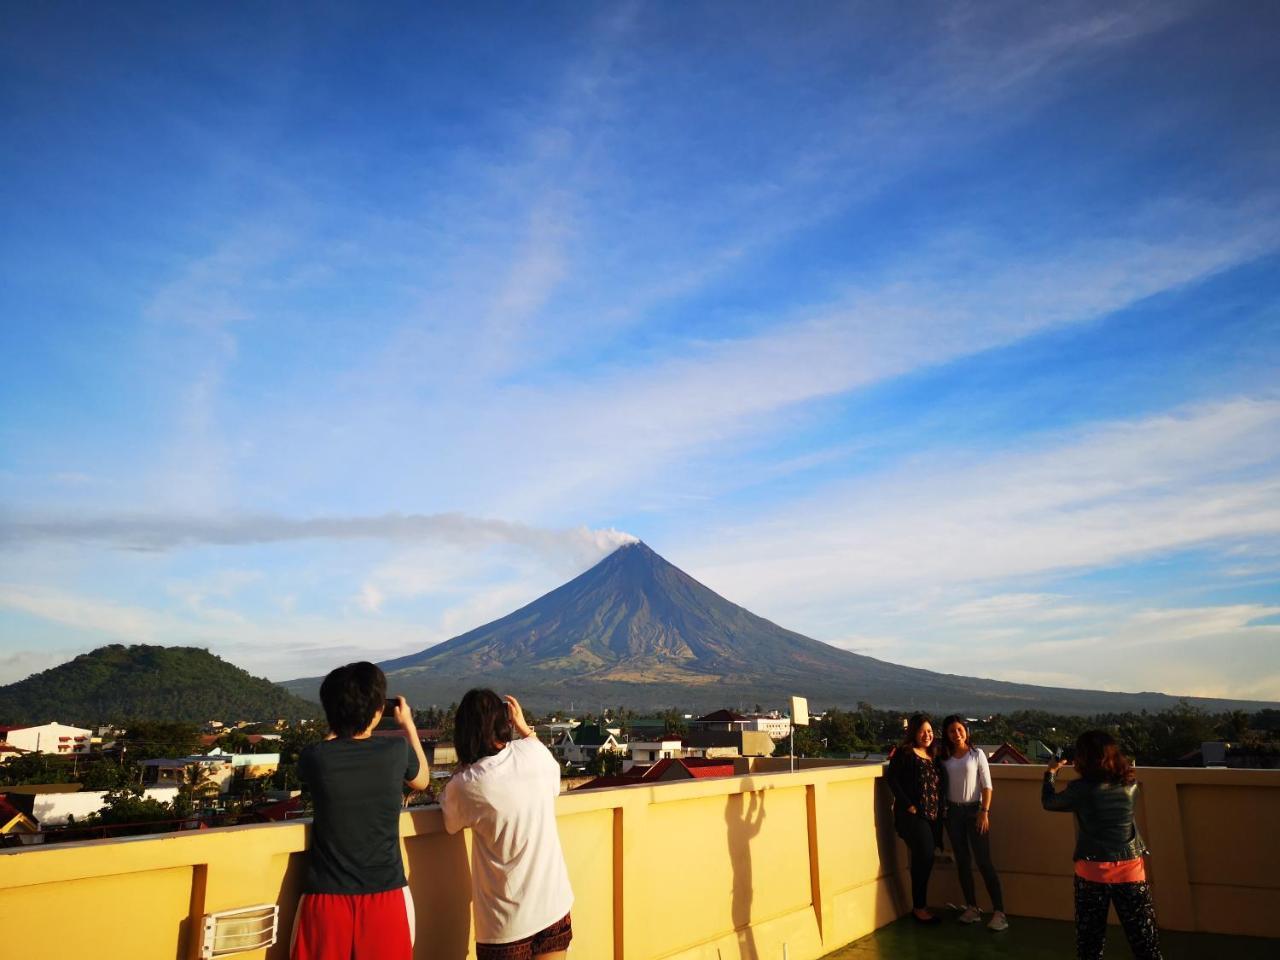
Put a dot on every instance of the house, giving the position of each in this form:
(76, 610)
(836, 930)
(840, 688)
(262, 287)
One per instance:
(15, 823)
(439, 753)
(218, 770)
(725, 743)
(719, 720)
(1004, 753)
(775, 725)
(53, 737)
(664, 771)
(645, 752)
(582, 744)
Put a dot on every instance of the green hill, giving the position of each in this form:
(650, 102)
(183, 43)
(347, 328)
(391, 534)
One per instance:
(119, 683)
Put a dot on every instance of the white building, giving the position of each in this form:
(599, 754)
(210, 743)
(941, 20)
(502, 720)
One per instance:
(53, 737)
(651, 751)
(583, 744)
(778, 728)
(52, 809)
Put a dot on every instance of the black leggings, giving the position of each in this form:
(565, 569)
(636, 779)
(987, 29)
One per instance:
(921, 837)
(962, 828)
(1133, 906)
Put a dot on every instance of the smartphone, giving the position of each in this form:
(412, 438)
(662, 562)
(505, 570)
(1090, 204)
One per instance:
(389, 708)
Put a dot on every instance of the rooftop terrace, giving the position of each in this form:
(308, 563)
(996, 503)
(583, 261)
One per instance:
(766, 864)
(1030, 938)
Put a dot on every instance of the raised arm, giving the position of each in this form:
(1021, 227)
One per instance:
(1050, 798)
(516, 713)
(404, 717)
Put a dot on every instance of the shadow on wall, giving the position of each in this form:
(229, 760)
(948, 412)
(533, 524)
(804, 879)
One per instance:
(290, 892)
(743, 819)
(440, 877)
(889, 849)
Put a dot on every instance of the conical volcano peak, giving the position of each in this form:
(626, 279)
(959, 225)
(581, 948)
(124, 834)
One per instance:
(635, 629)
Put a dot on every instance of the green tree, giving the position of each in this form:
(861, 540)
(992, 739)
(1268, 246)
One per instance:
(198, 786)
(106, 774)
(1235, 726)
(37, 768)
(128, 805)
(234, 741)
(673, 723)
(606, 763)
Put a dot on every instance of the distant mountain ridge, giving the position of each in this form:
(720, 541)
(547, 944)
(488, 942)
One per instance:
(636, 631)
(121, 683)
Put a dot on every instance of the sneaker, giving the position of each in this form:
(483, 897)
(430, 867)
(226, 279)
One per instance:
(998, 922)
(971, 915)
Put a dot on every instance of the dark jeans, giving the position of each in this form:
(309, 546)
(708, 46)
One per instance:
(1134, 908)
(921, 837)
(962, 828)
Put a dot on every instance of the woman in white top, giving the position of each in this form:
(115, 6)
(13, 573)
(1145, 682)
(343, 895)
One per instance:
(969, 819)
(506, 793)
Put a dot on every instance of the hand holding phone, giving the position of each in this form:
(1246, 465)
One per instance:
(516, 714)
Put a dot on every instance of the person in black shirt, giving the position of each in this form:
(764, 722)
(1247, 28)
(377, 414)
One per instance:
(919, 794)
(356, 901)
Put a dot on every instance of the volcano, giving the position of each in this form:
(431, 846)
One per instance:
(636, 631)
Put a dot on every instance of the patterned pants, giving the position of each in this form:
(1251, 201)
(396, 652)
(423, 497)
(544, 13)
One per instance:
(1133, 906)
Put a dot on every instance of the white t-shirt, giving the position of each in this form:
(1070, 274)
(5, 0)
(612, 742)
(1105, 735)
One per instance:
(519, 881)
(967, 776)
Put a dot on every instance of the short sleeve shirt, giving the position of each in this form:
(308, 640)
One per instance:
(357, 787)
(518, 875)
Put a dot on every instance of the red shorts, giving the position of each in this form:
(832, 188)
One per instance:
(333, 926)
(554, 938)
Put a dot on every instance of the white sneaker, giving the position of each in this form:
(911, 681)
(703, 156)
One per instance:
(998, 922)
(971, 915)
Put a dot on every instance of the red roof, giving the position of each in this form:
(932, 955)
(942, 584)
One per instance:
(708, 767)
(7, 810)
(697, 767)
(1008, 753)
(12, 727)
(279, 810)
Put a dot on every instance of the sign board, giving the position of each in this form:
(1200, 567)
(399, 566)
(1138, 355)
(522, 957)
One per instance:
(799, 711)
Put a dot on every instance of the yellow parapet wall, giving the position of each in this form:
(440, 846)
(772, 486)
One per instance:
(737, 868)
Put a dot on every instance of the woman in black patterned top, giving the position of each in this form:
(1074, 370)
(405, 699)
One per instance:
(916, 778)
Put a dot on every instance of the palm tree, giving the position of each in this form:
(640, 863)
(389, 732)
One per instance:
(197, 779)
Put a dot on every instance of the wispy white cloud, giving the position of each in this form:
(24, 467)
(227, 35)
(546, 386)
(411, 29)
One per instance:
(1095, 496)
(161, 532)
(943, 304)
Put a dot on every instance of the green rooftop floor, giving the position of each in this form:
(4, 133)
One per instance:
(1032, 939)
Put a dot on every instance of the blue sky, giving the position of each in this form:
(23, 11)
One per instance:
(948, 337)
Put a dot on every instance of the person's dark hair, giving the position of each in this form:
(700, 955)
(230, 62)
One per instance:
(1098, 758)
(917, 721)
(351, 696)
(481, 722)
(947, 748)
